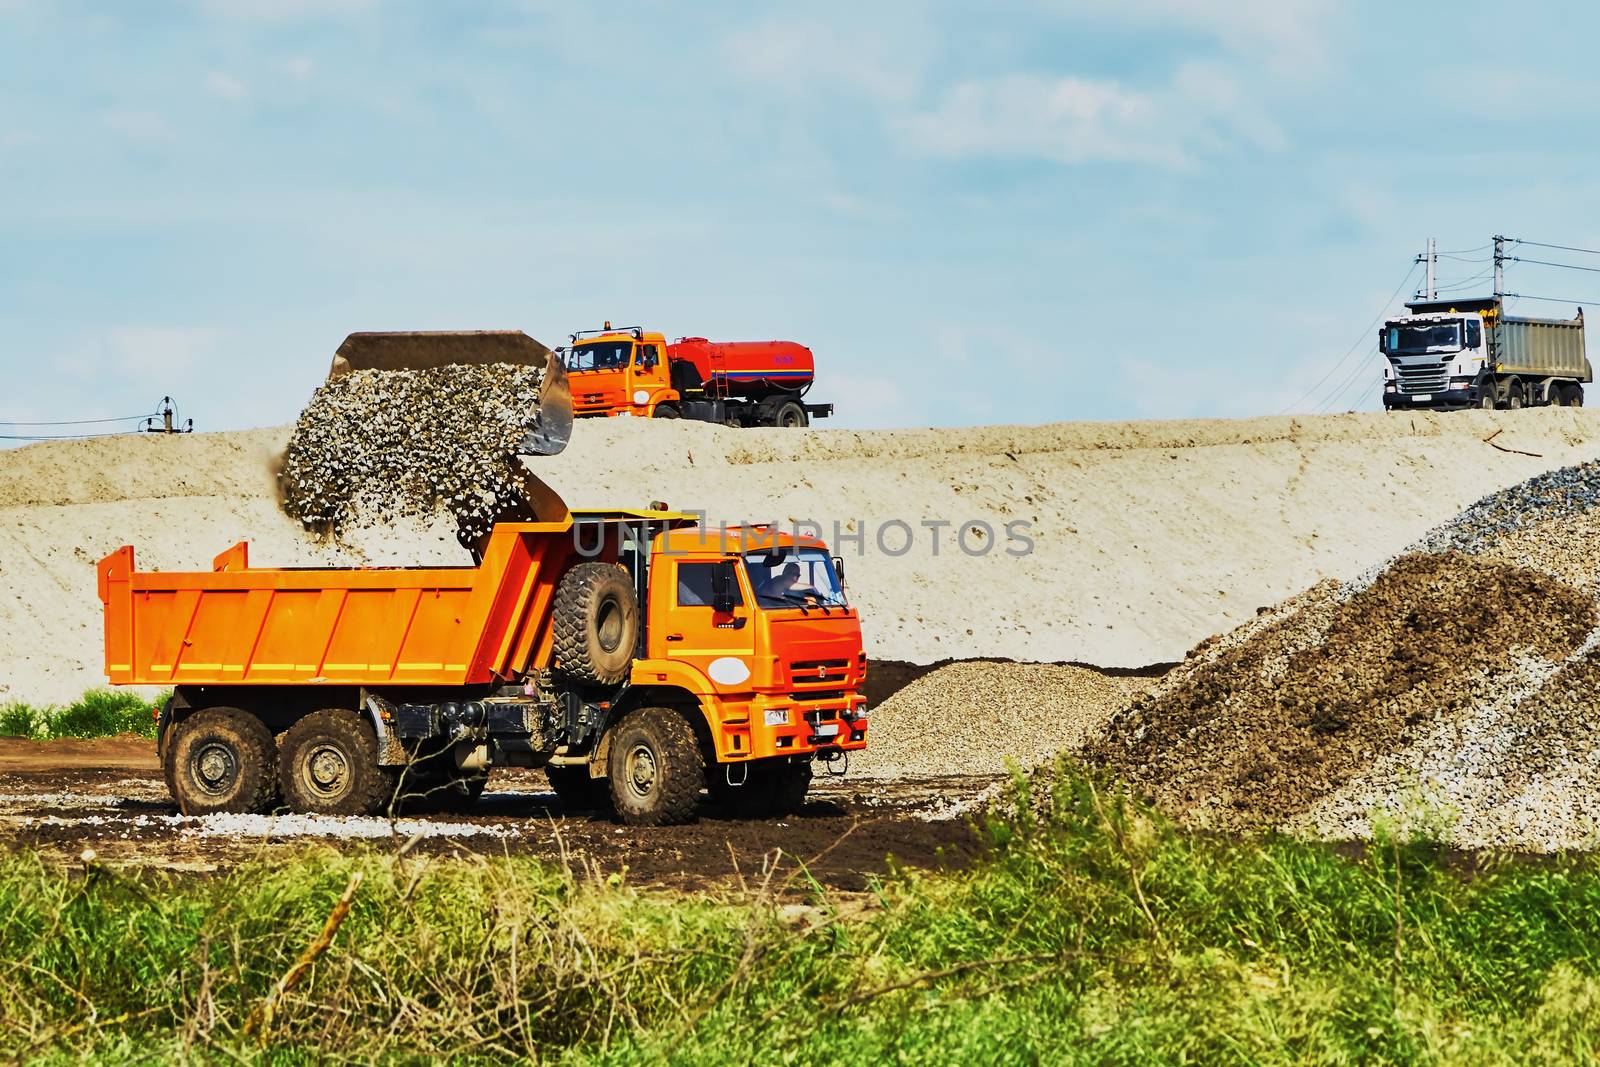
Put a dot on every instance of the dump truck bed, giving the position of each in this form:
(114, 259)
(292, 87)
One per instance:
(236, 624)
(1543, 347)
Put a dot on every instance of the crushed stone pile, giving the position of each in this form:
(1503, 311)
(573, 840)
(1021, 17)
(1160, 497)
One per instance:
(983, 717)
(1454, 691)
(373, 447)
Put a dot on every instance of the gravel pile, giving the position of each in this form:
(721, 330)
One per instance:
(373, 447)
(1455, 690)
(983, 717)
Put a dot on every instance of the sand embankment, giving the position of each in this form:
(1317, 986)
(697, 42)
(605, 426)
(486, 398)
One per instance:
(1146, 537)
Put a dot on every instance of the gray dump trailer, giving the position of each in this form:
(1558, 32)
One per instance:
(1469, 353)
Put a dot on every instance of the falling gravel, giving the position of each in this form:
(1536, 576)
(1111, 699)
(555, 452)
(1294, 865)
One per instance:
(373, 447)
(1454, 691)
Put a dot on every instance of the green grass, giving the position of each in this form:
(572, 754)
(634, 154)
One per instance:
(98, 713)
(1094, 932)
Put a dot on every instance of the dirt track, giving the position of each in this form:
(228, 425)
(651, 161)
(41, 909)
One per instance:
(64, 796)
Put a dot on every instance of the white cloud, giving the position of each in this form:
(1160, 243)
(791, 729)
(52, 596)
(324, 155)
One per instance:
(1289, 36)
(284, 10)
(159, 352)
(299, 67)
(798, 56)
(139, 125)
(225, 86)
(1069, 119)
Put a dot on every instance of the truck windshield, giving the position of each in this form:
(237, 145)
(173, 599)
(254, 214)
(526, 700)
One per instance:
(601, 355)
(1424, 337)
(794, 578)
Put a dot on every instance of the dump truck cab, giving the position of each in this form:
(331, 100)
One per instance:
(620, 372)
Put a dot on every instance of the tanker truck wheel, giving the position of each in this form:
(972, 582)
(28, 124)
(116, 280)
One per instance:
(596, 623)
(791, 416)
(222, 760)
(330, 766)
(655, 768)
(665, 411)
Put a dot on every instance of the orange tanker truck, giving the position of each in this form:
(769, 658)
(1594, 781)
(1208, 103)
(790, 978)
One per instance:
(636, 656)
(633, 371)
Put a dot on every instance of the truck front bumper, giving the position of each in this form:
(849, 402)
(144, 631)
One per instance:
(1445, 399)
(778, 725)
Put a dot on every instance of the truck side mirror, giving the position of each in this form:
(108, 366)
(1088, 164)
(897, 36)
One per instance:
(724, 586)
(838, 567)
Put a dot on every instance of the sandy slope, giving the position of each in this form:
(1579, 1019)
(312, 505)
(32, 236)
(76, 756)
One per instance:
(1147, 536)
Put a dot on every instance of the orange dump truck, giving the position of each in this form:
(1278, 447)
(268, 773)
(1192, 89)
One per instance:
(639, 658)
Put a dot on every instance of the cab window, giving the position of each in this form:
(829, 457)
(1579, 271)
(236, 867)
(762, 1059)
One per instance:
(696, 582)
(1474, 333)
(647, 356)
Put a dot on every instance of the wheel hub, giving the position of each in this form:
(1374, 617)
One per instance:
(215, 766)
(326, 770)
(642, 769)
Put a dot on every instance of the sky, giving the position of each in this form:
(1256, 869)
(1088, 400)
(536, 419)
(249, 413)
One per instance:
(1026, 211)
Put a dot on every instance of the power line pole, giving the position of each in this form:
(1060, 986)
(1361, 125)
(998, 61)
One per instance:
(1499, 265)
(1433, 260)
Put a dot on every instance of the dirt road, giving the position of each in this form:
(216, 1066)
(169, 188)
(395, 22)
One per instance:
(62, 797)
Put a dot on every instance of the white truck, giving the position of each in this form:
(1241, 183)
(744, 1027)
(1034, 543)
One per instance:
(1470, 353)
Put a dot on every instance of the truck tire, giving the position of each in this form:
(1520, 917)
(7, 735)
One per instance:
(330, 766)
(1515, 396)
(1491, 396)
(576, 790)
(791, 416)
(1575, 398)
(596, 623)
(222, 760)
(665, 411)
(770, 790)
(655, 768)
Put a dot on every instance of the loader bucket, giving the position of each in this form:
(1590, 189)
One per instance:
(549, 427)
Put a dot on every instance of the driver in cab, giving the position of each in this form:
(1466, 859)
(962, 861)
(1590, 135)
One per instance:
(785, 585)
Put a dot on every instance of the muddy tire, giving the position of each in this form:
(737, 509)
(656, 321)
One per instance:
(329, 766)
(656, 769)
(577, 791)
(770, 790)
(596, 623)
(222, 760)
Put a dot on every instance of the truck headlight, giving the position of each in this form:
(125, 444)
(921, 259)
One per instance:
(778, 717)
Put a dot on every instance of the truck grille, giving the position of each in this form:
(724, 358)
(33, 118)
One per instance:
(1422, 378)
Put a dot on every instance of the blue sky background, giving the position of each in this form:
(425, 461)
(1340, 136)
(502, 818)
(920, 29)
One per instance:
(1007, 212)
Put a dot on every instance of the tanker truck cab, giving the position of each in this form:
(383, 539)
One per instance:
(620, 372)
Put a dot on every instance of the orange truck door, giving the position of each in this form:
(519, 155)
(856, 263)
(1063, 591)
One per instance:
(719, 643)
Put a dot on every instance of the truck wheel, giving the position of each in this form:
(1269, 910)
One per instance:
(576, 790)
(1490, 398)
(222, 760)
(1575, 398)
(665, 411)
(330, 766)
(1515, 396)
(596, 623)
(790, 416)
(656, 769)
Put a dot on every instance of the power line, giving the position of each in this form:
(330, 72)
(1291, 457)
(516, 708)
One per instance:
(1365, 335)
(1462, 251)
(57, 436)
(1463, 259)
(1564, 248)
(1550, 299)
(76, 422)
(1550, 263)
